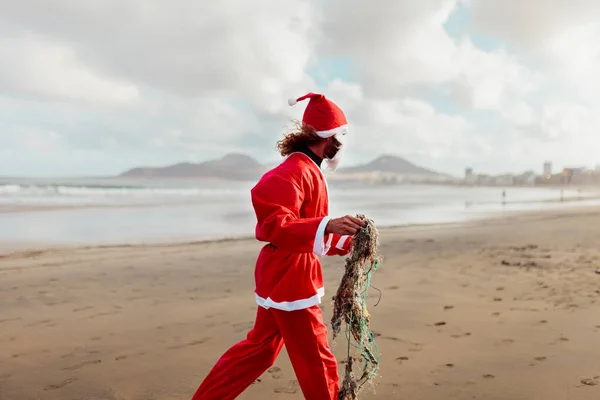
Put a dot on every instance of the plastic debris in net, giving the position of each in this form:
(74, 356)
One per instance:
(350, 307)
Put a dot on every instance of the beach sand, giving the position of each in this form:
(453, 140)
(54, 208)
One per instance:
(503, 309)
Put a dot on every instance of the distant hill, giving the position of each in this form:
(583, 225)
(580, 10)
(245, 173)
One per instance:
(390, 164)
(232, 166)
(242, 167)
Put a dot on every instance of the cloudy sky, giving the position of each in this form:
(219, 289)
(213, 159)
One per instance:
(95, 87)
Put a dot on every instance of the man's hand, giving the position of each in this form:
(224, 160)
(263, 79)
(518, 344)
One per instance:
(347, 225)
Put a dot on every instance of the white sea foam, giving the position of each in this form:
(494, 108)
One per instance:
(61, 194)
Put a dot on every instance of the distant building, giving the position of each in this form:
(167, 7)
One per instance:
(485, 180)
(470, 177)
(526, 178)
(547, 168)
(574, 175)
(504, 180)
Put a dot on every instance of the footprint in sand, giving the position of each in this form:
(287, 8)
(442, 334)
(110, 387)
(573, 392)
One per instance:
(59, 385)
(193, 343)
(46, 321)
(103, 314)
(9, 319)
(275, 372)
(524, 309)
(81, 365)
(82, 308)
(126, 356)
(460, 335)
(417, 347)
(504, 342)
(561, 339)
(400, 360)
(489, 376)
(292, 388)
(591, 382)
(392, 338)
(243, 326)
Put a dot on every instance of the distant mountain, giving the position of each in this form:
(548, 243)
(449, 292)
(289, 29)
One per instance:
(390, 164)
(242, 167)
(232, 166)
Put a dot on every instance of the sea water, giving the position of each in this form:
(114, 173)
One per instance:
(111, 211)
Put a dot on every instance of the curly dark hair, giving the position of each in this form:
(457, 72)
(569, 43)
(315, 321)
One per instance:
(301, 137)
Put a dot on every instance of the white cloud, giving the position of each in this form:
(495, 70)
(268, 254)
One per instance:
(529, 24)
(34, 66)
(561, 39)
(407, 126)
(519, 112)
(134, 81)
(259, 49)
(406, 44)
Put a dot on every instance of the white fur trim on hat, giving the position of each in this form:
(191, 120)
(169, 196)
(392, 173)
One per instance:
(340, 129)
(292, 102)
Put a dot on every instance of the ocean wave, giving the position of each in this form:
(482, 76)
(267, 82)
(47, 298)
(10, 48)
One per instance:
(98, 190)
(66, 194)
(10, 189)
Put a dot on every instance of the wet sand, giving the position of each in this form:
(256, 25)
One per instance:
(504, 309)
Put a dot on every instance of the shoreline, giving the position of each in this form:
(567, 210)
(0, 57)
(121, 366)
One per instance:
(25, 248)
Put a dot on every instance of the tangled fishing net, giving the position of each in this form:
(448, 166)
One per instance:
(350, 307)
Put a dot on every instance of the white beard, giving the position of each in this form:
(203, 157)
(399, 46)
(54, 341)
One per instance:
(331, 164)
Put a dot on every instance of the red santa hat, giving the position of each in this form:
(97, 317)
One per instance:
(323, 115)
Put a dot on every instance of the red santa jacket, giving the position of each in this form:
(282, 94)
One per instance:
(291, 204)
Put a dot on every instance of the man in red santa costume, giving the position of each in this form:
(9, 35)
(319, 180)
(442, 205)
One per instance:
(292, 209)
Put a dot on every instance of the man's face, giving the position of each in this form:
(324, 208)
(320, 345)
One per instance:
(333, 152)
(333, 147)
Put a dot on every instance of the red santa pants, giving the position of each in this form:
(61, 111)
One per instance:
(305, 338)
